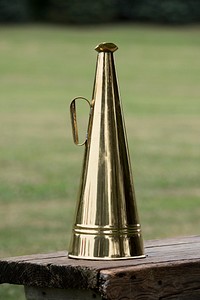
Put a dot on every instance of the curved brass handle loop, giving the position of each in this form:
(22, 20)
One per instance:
(74, 120)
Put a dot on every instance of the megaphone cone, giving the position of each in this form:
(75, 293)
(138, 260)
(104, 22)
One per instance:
(106, 224)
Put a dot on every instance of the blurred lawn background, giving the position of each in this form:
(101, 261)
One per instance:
(41, 69)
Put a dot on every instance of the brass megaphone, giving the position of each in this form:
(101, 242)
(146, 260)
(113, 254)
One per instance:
(106, 224)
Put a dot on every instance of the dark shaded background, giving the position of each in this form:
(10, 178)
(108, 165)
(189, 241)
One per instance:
(173, 12)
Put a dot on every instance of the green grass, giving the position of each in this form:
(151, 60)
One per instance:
(41, 70)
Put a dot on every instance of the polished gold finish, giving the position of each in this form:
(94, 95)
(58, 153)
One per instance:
(74, 120)
(106, 224)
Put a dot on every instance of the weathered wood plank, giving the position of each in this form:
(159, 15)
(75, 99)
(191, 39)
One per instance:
(48, 273)
(33, 293)
(173, 257)
(40, 256)
(171, 272)
(167, 281)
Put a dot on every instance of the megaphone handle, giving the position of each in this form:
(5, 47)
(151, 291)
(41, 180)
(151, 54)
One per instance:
(74, 120)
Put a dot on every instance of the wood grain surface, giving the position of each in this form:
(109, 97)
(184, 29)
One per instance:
(170, 271)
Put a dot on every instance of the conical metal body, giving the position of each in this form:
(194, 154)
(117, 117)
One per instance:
(106, 224)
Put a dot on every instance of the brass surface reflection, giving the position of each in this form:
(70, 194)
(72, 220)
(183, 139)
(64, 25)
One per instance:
(106, 223)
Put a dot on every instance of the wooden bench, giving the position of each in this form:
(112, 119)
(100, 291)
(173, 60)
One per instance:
(170, 271)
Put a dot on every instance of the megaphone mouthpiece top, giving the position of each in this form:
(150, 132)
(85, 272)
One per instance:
(106, 47)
